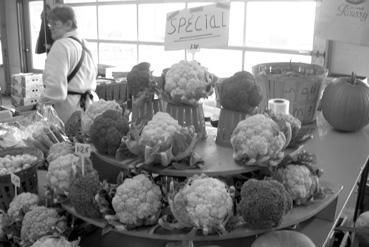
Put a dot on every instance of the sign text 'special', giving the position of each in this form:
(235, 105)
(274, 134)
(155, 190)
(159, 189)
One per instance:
(196, 23)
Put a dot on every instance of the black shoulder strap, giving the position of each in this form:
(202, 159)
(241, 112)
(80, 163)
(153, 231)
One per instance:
(78, 66)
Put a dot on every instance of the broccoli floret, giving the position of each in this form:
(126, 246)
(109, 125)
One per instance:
(138, 79)
(82, 193)
(107, 131)
(240, 93)
(263, 203)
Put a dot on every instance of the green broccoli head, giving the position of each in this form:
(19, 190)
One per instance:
(107, 131)
(82, 195)
(240, 92)
(263, 203)
(139, 78)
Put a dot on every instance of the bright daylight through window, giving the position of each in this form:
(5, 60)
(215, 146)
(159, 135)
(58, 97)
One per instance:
(123, 33)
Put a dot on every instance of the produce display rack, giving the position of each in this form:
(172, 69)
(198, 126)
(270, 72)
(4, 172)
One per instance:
(218, 163)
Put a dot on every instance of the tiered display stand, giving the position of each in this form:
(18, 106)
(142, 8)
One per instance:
(218, 163)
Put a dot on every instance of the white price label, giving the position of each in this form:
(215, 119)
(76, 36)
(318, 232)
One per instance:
(82, 149)
(15, 180)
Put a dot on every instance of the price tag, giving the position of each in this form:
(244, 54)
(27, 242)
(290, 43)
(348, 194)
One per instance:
(82, 149)
(15, 181)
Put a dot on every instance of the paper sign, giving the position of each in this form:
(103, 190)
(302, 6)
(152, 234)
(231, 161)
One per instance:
(206, 26)
(82, 149)
(344, 20)
(15, 180)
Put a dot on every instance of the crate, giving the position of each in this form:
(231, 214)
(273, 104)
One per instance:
(144, 111)
(108, 90)
(188, 115)
(28, 177)
(228, 121)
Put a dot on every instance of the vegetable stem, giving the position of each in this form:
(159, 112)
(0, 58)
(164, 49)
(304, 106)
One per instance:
(353, 78)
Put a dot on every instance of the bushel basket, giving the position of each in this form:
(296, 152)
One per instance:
(28, 176)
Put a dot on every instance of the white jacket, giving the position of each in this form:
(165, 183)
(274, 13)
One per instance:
(60, 62)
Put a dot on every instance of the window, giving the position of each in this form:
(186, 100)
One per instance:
(36, 7)
(1, 53)
(123, 33)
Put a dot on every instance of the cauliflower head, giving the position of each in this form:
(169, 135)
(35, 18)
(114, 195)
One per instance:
(258, 138)
(240, 93)
(63, 170)
(159, 131)
(94, 110)
(54, 241)
(107, 131)
(21, 204)
(59, 149)
(37, 223)
(187, 81)
(82, 193)
(263, 203)
(204, 203)
(137, 202)
(299, 182)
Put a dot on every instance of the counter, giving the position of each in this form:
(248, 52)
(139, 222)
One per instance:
(342, 156)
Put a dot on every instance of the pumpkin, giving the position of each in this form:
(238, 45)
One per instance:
(345, 104)
(283, 238)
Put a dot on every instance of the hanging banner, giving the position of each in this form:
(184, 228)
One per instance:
(195, 28)
(344, 20)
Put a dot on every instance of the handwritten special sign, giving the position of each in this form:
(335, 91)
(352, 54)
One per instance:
(344, 20)
(206, 26)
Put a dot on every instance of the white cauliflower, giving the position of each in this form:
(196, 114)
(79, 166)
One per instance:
(187, 82)
(163, 140)
(59, 149)
(94, 110)
(54, 241)
(159, 130)
(38, 222)
(203, 203)
(137, 202)
(258, 140)
(300, 182)
(21, 204)
(63, 170)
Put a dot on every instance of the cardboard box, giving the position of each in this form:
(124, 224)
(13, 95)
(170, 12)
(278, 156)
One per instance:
(20, 101)
(27, 92)
(26, 79)
(26, 84)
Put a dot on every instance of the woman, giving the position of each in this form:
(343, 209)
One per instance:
(70, 73)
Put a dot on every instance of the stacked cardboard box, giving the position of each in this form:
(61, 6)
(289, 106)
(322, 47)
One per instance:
(26, 89)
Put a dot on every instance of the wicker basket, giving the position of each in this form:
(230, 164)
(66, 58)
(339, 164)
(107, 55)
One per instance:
(146, 110)
(28, 177)
(112, 91)
(189, 115)
(228, 121)
(300, 83)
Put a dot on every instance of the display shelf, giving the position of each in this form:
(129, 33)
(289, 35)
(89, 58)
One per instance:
(217, 159)
(297, 215)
